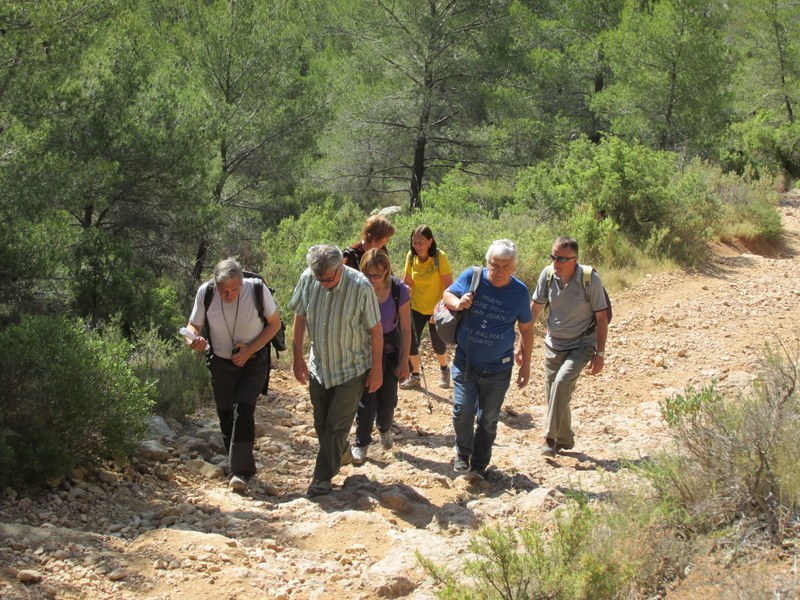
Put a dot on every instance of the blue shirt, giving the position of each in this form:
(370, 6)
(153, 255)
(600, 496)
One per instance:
(485, 336)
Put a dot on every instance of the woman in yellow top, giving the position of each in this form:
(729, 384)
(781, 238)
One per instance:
(428, 274)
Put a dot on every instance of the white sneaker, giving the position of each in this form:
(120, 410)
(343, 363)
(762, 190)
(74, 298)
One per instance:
(359, 454)
(238, 485)
(386, 440)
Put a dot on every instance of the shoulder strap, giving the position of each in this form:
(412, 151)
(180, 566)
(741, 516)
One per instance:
(587, 280)
(476, 278)
(436, 260)
(396, 294)
(209, 295)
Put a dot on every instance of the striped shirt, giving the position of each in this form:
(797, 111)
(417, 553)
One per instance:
(338, 321)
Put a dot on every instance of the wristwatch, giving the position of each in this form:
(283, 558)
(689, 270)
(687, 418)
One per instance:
(601, 354)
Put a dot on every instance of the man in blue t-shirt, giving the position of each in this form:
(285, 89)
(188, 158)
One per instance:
(481, 371)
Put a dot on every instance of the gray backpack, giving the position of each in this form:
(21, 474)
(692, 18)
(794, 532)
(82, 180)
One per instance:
(446, 319)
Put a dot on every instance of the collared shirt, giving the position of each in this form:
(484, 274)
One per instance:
(571, 313)
(232, 323)
(338, 321)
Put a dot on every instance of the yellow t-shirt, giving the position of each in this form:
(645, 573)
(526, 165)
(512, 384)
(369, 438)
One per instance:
(428, 287)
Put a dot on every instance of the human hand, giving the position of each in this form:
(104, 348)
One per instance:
(300, 369)
(465, 302)
(595, 365)
(374, 380)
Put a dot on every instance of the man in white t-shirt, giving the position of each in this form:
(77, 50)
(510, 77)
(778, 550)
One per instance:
(239, 357)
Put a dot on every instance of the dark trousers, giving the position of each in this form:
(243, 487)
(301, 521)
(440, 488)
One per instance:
(236, 390)
(418, 321)
(378, 407)
(334, 410)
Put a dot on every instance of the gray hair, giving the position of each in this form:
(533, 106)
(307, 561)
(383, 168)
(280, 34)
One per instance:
(502, 249)
(226, 269)
(322, 258)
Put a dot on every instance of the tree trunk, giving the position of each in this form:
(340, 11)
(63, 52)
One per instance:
(200, 260)
(417, 173)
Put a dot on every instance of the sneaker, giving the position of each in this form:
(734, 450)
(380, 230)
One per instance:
(461, 464)
(347, 457)
(318, 488)
(359, 454)
(411, 383)
(238, 484)
(444, 378)
(386, 440)
(549, 448)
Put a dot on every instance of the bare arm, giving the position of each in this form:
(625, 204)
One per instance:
(524, 352)
(597, 362)
(375, 376)
(456, 303)
(300, 367)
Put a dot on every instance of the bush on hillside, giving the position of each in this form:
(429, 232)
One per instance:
(181, 380)
(67, 397)
(737, 457)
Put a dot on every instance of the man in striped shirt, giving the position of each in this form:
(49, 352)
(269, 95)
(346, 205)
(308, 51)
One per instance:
(338, 308)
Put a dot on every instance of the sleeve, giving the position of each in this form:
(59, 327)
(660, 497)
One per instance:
(405, 294)
(597, 296)
(461, 285)
(296, 304)
(198, 316)
(409, 263)
(269, 302)
(444, 264)
(541, 294)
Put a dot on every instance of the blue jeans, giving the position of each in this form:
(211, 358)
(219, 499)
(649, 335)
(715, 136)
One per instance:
(477, 395)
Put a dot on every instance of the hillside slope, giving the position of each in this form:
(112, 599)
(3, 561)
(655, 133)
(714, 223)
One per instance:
(167, 527)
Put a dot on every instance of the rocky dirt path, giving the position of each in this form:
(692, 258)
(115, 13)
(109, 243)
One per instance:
(167, 527)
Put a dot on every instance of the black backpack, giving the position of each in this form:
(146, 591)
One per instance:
(278, 342)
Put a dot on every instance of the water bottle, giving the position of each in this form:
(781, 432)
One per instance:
(189, 334)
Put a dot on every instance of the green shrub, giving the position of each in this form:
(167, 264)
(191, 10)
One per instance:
(737, 457)
(180, 377)
(534, 563)
(67, 397)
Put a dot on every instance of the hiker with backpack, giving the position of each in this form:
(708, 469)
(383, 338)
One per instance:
(376, 233)
(484, 355)
(577, 328)
(394, 301)
(428, 274)
(338, 308)
(238, 336)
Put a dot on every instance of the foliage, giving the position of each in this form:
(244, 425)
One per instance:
(179, 376)
(737, 457)
(67, 396)
(659, 55)
(536, 564)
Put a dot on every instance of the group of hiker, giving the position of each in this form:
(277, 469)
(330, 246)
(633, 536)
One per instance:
(364, 326)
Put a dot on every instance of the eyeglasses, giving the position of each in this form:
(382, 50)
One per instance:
(375, 275)
(561, 259)
(328, 279)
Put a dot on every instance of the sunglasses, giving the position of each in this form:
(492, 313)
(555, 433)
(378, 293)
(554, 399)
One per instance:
(561, 259)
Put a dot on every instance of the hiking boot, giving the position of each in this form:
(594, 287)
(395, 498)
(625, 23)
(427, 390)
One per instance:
(411, 383)
(238, 484)
(478, 472)
(444, 378)
(386, 440)
(549, 448)
(318, 488)
(461, 464)
(359, 454)
(347, 457)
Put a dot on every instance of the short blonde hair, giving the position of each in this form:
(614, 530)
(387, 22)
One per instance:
(376, 259)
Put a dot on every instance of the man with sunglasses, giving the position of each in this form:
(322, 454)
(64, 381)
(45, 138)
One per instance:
(338, 308)
(577, 327)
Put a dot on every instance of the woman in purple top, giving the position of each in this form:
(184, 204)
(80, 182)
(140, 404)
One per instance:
(395, 305)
